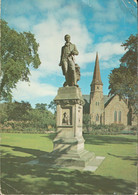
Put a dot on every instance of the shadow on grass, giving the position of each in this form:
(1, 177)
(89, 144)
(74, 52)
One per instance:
(18, 177)
(33, 152)
(103, 139)
(134, 159)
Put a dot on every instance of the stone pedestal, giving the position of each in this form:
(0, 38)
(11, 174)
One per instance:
(69, 119)
(68, 148)
(69, 142)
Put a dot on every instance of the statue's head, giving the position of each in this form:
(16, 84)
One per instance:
(65, 114)
(67, 38)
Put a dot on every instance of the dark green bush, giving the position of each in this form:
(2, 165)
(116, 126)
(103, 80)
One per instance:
(112, 129)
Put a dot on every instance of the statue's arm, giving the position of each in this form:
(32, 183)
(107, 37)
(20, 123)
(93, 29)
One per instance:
(75, 51)
(60, 64)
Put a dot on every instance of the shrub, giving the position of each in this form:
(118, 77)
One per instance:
(103, 129)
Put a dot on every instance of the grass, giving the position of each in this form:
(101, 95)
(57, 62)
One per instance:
(117, 173)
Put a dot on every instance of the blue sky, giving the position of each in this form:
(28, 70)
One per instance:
(94, 26)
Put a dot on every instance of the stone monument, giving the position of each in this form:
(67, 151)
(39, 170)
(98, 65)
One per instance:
(69, 143)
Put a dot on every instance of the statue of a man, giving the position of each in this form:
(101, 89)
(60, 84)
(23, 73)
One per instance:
(65, 119)
(67, 62)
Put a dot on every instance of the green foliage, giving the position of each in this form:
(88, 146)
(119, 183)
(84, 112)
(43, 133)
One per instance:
(14, 111)
(123, 80)
(86, 121)
(41, 106)
(100, 129)
(112, 129)
(41, 119)
(18, 54)
(17, 111)
(21, 117)
(52, 106)
(3, 113)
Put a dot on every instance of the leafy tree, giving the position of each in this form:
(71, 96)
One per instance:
(86, 121)
(123, 80)
(41, 119)
(3, 113)
(20, 115)
(17, 110)
(52, 106)
(41, 106)
(19, 52)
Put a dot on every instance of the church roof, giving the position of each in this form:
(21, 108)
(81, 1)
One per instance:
(107, 98)
(86, 97)
(96, 75)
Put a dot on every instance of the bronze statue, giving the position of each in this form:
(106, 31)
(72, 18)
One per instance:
(69, 68)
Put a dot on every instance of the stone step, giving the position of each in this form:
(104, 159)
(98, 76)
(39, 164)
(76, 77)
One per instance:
(92, 165)
(69, 159)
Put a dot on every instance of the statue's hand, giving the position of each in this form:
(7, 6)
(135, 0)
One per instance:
(71, 53)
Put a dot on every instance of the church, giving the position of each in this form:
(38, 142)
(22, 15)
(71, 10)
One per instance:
(104, 109)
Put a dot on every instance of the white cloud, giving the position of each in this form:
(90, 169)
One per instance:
(43, 5)
(50, 35)
(22, 23)
(27, 91)
(106, 13)
(111, 63)
(94, 4)
(86, 74)
(16, 7)
(105, 28)
(108, 37)
(108, 49)
(106, 17)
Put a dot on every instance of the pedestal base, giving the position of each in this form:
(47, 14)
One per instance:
(68, 148)
(85, 161)
(73, 159)
(70, 154)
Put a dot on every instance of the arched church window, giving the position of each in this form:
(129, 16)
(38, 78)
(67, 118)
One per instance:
(97, 117)
(97, 87)
(97, 103)
(119, 116)
(115, 116)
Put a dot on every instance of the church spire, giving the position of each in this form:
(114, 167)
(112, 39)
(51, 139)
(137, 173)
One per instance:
(96, 76)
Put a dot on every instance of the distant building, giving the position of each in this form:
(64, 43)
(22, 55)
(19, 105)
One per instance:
(105, 109)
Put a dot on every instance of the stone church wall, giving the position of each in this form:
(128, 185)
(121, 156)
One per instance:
(116, 111)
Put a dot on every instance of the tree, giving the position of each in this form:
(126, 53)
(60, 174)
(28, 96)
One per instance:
(19, 52)
(52, 106)
(17, 110)
(3, 113)
(123, 80)
(14, 111)
(86, 121)
(41, 106)
(41, 119)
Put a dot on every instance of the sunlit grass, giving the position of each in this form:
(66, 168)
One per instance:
(117, 173)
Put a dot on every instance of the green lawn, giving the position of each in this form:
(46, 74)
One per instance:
(116, 175)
